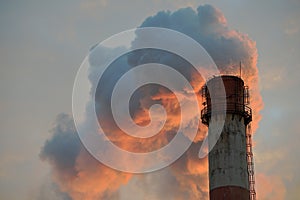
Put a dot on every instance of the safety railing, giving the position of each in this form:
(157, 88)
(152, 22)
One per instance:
(231, 108)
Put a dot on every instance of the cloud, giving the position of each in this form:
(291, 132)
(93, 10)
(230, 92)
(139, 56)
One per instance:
(291, 28)
(227, 47)
(74, 170)
(48, 190)
(64, 147)
(81, 176)
(270, 187)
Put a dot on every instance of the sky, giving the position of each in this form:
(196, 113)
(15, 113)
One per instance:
(42, 45)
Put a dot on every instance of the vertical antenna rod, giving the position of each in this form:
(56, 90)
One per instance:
(240, 69)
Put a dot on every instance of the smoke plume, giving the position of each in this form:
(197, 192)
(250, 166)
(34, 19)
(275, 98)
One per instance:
(79, 175)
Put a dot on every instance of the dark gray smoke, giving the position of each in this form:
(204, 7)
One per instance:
(63, 148)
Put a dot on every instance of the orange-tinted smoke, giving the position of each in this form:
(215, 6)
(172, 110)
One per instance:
(93, 180)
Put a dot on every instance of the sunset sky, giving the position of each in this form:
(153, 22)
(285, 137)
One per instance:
(42, 45)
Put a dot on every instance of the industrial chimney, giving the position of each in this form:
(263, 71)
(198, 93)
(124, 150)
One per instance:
(231, 174)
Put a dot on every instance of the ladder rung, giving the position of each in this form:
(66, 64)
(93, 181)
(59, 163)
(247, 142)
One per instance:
(250, 164)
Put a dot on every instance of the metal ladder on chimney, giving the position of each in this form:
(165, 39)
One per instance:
(250, 163)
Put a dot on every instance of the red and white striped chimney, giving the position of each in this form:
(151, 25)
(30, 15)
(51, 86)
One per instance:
(228, 164)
